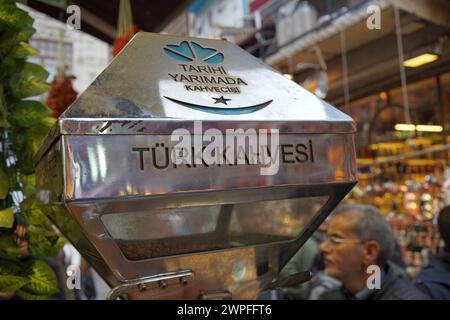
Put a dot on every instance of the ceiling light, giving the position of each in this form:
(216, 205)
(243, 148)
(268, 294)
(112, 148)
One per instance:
(428, 128)
(418, 128)
(405, 127)
(420, 60)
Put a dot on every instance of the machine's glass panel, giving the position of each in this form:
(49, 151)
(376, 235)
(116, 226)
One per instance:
(161, 224)
(145, 235)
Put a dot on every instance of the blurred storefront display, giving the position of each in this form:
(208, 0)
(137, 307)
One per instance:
(402, 119)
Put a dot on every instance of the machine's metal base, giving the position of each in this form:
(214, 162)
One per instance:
(160, 280)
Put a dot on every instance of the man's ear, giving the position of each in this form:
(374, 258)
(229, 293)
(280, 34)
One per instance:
(371, 252)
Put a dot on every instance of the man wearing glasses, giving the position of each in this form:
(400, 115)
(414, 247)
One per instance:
(360, 242)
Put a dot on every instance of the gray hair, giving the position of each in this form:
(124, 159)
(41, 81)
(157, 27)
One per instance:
(371, 225)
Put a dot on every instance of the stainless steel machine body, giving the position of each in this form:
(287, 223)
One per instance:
(107, 174)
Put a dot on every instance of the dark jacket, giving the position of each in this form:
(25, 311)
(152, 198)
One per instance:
(435, 278)
(394, 286)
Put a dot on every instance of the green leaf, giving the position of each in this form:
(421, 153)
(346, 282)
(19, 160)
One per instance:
(25, 114)
(10, 283)
(3, 112)
(8, 248)
(6, 218)
(48, 122)
(41, 246)
(30, 296)
(31, 213)
(13, 181)
(12, 17)
(42, 241)
(42, 280)
(30, 81)
(11, 38)
(15, 26)
(33, 140)
(24, 50)
(15, 55)
(8, 66)
(26, 33)
(8, 42)
(13, 267)
(5, 240)
(4, 184)
(46, 246)
(18, 140)
(29, 185)
(60, 244)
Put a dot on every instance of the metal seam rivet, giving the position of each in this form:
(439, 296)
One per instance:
(183, 280)
(162, 284)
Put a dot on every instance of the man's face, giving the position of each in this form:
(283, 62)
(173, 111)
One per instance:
(343, 253)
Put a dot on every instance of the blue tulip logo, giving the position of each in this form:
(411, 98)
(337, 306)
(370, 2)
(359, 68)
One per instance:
(189, 51)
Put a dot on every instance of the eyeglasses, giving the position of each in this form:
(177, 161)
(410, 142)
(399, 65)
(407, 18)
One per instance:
(336, 240)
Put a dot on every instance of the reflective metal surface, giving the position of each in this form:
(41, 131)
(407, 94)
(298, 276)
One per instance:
(110, 166)
(106, 176)
(139, 80)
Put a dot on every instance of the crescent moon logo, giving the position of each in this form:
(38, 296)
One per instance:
(222, 111)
